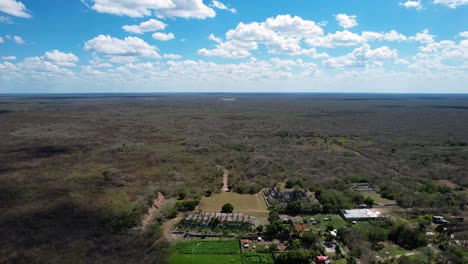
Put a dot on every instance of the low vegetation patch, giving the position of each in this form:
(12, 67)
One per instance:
(208, 247)
(256, 258)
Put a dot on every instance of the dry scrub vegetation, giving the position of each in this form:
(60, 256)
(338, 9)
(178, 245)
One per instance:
(77, 173)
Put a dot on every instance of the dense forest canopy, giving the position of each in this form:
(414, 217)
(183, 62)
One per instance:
(78, 172)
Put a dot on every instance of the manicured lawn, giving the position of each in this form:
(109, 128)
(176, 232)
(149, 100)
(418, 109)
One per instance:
(204, 259)
(335, 220)
(208, 247)
(251, 204)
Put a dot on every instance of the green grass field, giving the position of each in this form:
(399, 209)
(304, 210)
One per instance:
(393, 250)
(377, 198)
(208, 247)
(206, 252)
(335, 220)
(251, 204)
(204, 259)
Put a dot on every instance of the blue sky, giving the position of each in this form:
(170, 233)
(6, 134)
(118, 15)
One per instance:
(415, 46)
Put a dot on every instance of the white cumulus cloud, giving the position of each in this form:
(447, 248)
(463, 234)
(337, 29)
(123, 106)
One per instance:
(162, 8)
(343, 38)
(281, 35)
(221, 6)
(172, 56)
(393, 35)
(130, 46)
(346, 21)
(9, 58)
(60, 58)
(451, 3)
(14, 8)
(423, 37)
(163, 36)
(188, 9)
(147, 26)
(135, 8)
(412, 4)
(362, 57)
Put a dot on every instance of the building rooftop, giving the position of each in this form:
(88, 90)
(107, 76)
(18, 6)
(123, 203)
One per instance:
(361, 214)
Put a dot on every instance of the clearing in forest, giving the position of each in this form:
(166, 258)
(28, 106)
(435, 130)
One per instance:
(250, 204)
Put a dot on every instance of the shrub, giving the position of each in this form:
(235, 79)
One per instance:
(294, 208)
(406, 236)
(289, 184)
(298, 256)
(369, 201)
(227, 208)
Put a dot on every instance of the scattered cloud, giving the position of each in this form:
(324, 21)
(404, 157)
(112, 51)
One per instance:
(464, 34)
(14, 8)
(393, 35)
(423, 37)
(5, 20)
(163, 36)
(18, 40)
(188, 9)
(447, 49)
(172, 56)
(221, 6)
(214, 38)
(139, 8)
(60, 58)
(130, 46)
(412, 4)
(363, 56)
(147, 26)
(346, 21)
(451, 3)
(35, 68)
(163, 8)
(9, 58)
(343, 38)
(281, 35)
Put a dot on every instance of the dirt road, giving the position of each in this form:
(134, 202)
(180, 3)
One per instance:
(225, 178)
(152, 210)
(167, 227)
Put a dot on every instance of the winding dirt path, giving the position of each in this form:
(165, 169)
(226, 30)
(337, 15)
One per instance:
(152, 210)
(402, 255)
(167, 227)
(352, 151)
(357, 153)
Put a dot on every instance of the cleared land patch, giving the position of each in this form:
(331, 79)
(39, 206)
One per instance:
(378, 199)
(250, 204)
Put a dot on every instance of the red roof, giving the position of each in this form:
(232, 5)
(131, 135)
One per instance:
(298, 227)
(322, 258)
(246, 241)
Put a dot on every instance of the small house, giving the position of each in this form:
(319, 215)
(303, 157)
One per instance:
(245, 243)
(439, 220)
(323, 260)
